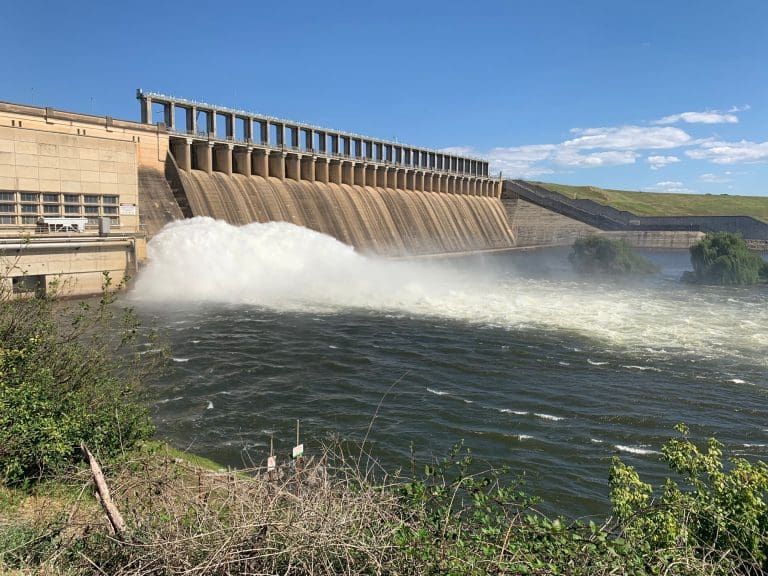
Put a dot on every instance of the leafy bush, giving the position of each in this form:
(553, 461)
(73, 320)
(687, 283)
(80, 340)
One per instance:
(598, 254)
(723, 258)
(62, 383)
(720, 513)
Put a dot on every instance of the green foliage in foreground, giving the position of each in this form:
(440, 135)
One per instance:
(601, 255)
(724, 259)
(61, 384)
(709, 518)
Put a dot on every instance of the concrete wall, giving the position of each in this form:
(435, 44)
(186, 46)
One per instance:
(63, 165)
(537, 226)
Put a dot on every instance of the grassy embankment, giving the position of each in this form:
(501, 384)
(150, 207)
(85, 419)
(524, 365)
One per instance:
(663, 204)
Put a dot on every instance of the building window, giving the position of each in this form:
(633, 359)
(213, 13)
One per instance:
(7, 219)
(110, 209)
(29, 284)
(7, 196)
(109, 200)
(27, 197)
(72, 209)
(90, 199)
(51, 209)
(51, 198)
(91, 209)
(7, 208)
(72, 198)
(29, 209)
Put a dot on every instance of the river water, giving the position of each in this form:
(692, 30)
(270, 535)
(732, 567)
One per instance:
(531, 366)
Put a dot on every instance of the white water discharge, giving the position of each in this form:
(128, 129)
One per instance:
(285, 267)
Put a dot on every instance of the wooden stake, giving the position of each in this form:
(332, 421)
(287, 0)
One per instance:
(113, 514)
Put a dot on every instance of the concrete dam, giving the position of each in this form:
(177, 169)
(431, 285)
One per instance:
(381, 197)
(82, 194)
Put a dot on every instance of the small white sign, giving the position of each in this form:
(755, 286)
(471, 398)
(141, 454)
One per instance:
(271, 464)
(128, 209)
(298, 451)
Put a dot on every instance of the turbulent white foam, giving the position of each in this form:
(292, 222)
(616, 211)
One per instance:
(285, 267)
(640, 450)
(737, 381)
(641, 368)
(437, 392)
(180, 359)
(593, 363)
(209, 406)
(548, 417)
(515, 412)
(524, 437)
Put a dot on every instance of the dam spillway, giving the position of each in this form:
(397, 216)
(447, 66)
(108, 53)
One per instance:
(381, 197)
(384, 221)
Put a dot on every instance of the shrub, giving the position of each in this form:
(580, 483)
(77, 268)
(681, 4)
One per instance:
(719, 512)
(723, 258)
(62, 383)
(598, 254)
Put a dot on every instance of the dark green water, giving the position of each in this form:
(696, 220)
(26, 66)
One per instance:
(533, 368)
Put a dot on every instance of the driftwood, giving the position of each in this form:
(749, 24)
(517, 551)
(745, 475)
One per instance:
(102, 491)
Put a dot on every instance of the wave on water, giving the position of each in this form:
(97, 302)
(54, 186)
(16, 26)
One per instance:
(438, 392)
(641, 450)
(548, 417)
(288, 268)
(593, 363)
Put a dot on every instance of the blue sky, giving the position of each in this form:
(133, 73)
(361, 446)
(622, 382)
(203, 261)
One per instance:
(646, 95)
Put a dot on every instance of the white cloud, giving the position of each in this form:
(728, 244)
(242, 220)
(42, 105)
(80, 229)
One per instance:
(628, 138)
(571, 157)
(521, 161)
(670, 186)
(714, 178)
(657, 162)
(711, 117)
(731, 152)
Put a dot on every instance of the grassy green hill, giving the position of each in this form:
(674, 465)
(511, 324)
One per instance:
(663, 204)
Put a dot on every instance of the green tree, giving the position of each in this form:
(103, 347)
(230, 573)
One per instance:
(601, 255)
(723, 258)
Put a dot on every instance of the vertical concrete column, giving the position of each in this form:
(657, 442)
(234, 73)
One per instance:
(382, 177)
(182, 152)
(371, 175)
(400, 178)
(242, 160)
(334, 171)
(277, 164)
(359, 174)
(264, 129)
(308, 168)
(204, 156)
(347, 173)
(453, 184)
(410, 179)
(210, 117)
(248, 129)
(260, 163)
(169, 113)
(321, 170)
(293, 166)
(419, 180)
(428, 182)
(222, 158)
(145, 103)
(192, 120)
